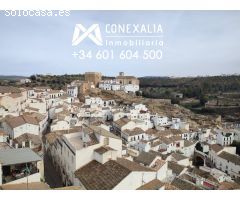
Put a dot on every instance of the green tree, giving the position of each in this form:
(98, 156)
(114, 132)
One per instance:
(33, 78)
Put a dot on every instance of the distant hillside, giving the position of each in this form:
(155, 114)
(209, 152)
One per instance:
(53, 81)
(11, 77)
(189, 86)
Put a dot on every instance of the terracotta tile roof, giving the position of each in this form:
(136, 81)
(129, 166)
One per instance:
(176, 168)
(152, 185)
(97, 176)
(203, 174)
(176, 131)
(156, 142)
(229, 186)
(230, 157)
(151, 131)
(103, 149)
(51, 137)
(132, 166)
(75, 129)
(183, 185)
(28, 137)
(156, 153)
(30, 118)
(166, 140)
(39, 117)
(103, 132)
(158, 164)
(169, 186)
(173, 132)
(135, 131)
(216, 147)
(164, 156)
(15, 121)
(176, 138)
(121, 122)
(188, 143)
(178, 156)
(145, 158)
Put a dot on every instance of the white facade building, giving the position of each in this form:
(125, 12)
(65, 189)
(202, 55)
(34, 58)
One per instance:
(130, 88)
(72, 91)
(225, 137)
(71, 148)
(33, 123)
(225, 159)
(116, 85)
(160, 120)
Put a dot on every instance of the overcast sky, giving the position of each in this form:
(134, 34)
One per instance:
(196, 43)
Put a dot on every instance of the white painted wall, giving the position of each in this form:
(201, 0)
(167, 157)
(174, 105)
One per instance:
(134, 180)
(162, 172)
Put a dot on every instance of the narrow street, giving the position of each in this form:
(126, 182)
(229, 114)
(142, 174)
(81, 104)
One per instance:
(51, 175)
